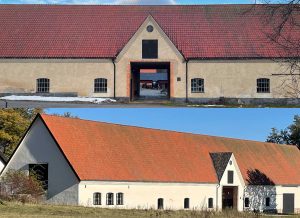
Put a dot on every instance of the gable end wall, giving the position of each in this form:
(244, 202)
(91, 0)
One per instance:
(39, 147)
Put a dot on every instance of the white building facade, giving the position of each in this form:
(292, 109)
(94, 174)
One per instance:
(40, 146)
(200, 69)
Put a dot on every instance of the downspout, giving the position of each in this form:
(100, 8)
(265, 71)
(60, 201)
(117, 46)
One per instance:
(217, 194)
(186, 80)
(114, 63)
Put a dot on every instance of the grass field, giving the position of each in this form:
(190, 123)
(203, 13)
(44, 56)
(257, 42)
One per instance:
(9, 209)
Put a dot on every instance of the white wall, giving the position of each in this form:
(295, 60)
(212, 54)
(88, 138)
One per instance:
(39, 147)
(237, 181)
(144, 195)
(1, 165)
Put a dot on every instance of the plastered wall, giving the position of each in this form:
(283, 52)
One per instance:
(145, 195)
(66, 75)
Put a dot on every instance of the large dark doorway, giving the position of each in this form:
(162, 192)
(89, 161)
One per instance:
(288, 203)
(229, 197)
(150, 80)
(40, 172)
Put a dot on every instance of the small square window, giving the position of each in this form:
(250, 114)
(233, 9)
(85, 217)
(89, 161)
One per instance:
(42, 85)
(178, 79)
(150, 49)
(197, 85)
(263, 85)
(100, 85)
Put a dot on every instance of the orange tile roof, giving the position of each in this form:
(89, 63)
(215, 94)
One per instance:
(104, 151)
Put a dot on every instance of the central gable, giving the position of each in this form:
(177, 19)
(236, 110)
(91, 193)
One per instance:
(150, 39)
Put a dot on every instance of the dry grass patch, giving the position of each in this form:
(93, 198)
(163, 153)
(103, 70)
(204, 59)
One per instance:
(13, 209)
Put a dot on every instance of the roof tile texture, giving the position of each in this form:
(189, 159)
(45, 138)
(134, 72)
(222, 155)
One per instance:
(65, 31)
(103, 151)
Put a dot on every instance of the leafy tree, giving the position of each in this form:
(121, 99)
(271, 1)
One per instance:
(289, 136)
(13, 124)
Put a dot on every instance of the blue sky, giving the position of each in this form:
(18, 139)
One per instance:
(253, 124)
(126, 1)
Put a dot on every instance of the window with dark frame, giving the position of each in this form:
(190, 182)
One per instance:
(197, 85)
(160, 203)
(210, 203)
(100, 85)
(43, 85)
(120, 198)
(109, 198)
(246, 202)
(97, 198)
(186, 203)
(150, 49)
(230, 177)
(40, 172)
(263, 85)
(267, 202)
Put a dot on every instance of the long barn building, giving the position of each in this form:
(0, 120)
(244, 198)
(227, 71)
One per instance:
(209, 53)
(107, 165)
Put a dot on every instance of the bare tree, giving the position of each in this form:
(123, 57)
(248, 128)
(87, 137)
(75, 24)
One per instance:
(282, 29)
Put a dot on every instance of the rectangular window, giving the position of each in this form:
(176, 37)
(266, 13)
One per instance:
(40, 171)
(210, 203)
(100, 85)
(150, 49)
(109, 198)
(230, 177)
(120, 198)
(197, 85)
(246, 202)
(160, 203)
(43, 85)
(186, 203)
(263, 85)
(267, 202)
(97, 198)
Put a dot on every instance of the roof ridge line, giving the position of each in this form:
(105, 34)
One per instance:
(157, 129)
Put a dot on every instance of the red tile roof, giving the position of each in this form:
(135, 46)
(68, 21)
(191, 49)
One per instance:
(103, 151)
(66, 31)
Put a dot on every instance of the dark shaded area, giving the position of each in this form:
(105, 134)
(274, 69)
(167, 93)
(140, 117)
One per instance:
(261, 189)
(229, 197)
(3, 158)
(220, 161)
(256, 177)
